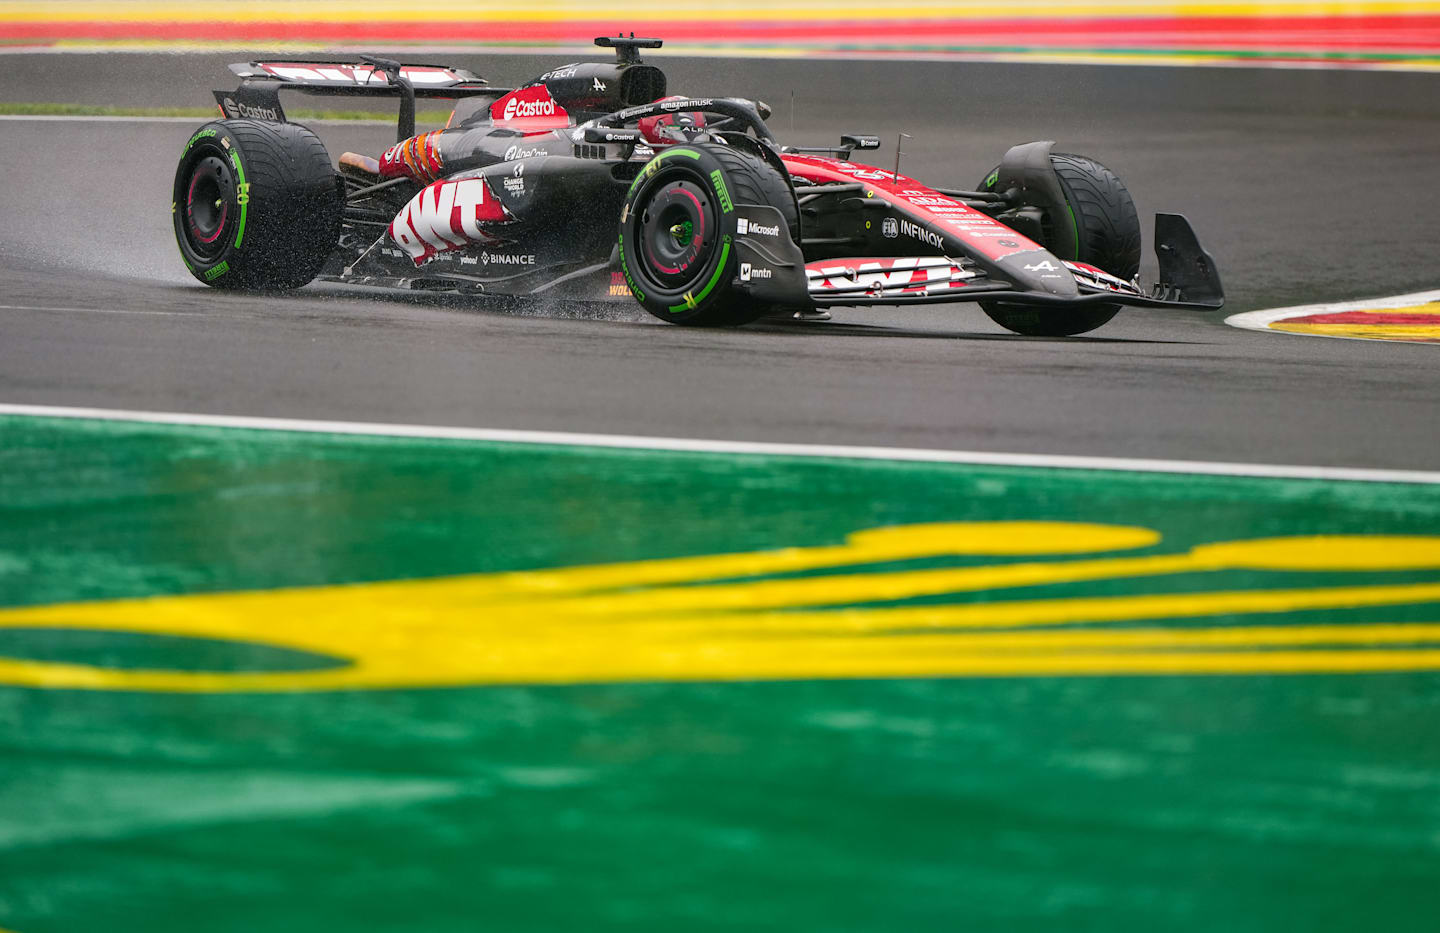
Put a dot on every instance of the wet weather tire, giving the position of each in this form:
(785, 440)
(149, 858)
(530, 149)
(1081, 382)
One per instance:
(256, 205)
(1108, 231)
(678, 228)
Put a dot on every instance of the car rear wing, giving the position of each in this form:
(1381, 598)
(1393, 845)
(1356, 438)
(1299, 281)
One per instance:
(258, 96)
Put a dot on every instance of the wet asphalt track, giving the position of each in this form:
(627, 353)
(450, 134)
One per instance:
(1305, 185)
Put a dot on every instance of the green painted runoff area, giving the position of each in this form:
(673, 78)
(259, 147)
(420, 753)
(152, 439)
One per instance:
(1190, 802)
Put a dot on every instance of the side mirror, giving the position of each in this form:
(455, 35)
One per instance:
(859, 142)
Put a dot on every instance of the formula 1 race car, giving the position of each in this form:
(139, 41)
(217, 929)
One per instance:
(592, 183)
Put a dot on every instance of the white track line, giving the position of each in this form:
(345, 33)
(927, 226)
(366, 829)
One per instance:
(1261, 320)
(689, 445)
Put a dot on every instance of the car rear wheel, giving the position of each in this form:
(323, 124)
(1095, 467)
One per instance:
(678, 229)
(256, 205)
(1108, 232)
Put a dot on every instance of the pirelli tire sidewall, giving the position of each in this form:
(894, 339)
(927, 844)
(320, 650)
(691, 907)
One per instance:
(701, 294)
(255, 205)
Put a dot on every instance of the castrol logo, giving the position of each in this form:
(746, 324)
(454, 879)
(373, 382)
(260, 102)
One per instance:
(527, 103)
(529, 108)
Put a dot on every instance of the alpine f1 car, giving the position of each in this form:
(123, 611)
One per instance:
(591, 182)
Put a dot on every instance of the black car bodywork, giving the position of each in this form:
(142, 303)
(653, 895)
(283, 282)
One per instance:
(528, 190)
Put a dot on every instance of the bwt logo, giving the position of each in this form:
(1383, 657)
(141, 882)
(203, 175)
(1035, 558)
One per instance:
(446, 215)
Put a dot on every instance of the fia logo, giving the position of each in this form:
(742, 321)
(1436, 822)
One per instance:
(890, 228)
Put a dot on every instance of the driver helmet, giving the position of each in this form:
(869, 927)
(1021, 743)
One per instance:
(667, 128)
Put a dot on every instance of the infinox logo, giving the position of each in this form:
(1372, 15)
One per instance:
(444, 216)
(918, 232)
(526, 104)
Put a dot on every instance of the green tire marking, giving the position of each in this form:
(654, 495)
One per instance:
(653, 165)
(244, 201)
(1074, 226)
(649, 170)
(718, 180)
(625, 268)
(207, 132)
(215, 272)
(694, 301)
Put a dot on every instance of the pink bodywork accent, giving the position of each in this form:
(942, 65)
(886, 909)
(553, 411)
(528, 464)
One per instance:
(530, 108)
(985, 236)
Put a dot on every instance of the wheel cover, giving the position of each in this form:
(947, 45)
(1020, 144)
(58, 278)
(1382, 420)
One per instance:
(677, 234)
(209, 194)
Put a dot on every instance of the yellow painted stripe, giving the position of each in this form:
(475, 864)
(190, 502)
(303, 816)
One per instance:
(642, 621)
(1375, 330)
(874, 546)
(1210, 652)
(418, 616)
(1428, 308)
(1315, 553)
(1408, 333)
(346, 11)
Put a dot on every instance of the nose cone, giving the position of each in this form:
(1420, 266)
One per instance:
(1039, 270)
